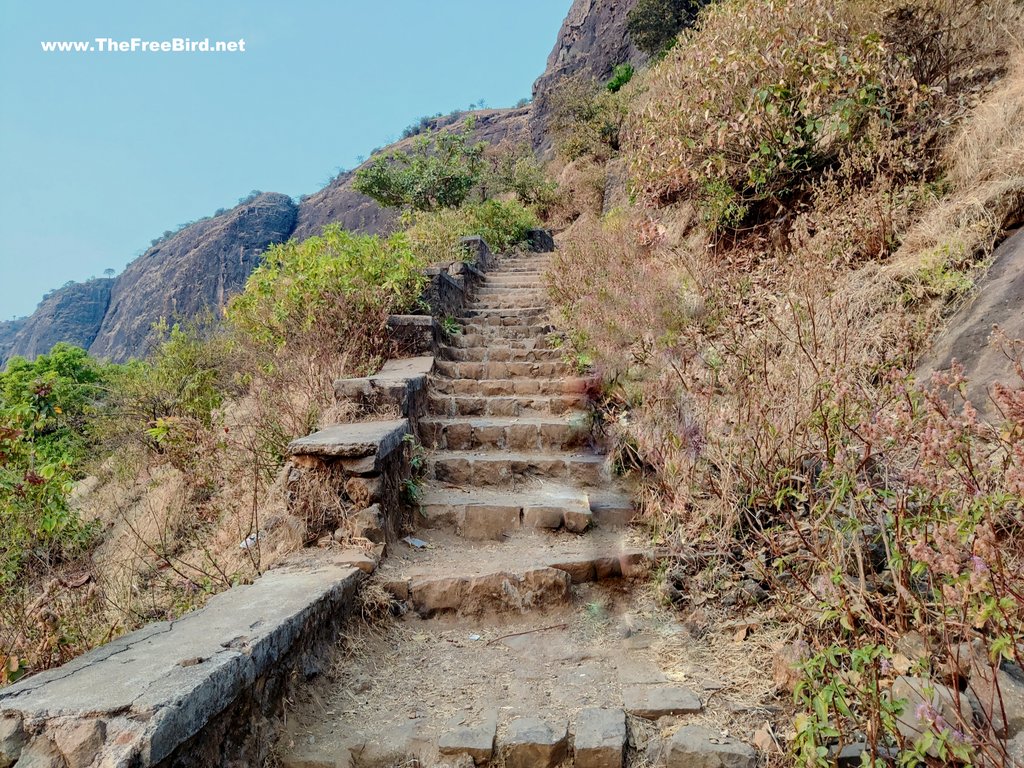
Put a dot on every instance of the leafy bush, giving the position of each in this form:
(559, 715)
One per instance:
(45, 436)
(653, 25)
(337, 278)
(517, 170)
(439, 172)
(168, 402)
(68, 385)
(623, 74)
(435, 236)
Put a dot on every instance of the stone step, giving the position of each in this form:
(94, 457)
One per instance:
(464, 340)
(525, 301)
(532, 569)
(465, 433)
(498, 323)
(492, 289)
(499, 353)
(566, 385)
(484, 514)
(519, 269)
(514, 279)
(515, 312)
(508, 468)
(475, 327)
(489, 513)
(502, 370)
(514, 405)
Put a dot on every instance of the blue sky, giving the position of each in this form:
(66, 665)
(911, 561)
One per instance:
(101, 152)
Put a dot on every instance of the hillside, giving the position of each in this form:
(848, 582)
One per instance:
(206, 262)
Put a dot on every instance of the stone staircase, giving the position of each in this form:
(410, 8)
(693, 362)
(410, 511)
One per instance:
(512, 649)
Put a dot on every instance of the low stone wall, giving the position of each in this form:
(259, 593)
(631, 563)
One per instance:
(198, 692)
(450, 286)
(367, 463)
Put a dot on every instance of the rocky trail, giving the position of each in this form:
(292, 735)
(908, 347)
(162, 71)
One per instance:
(528, 637)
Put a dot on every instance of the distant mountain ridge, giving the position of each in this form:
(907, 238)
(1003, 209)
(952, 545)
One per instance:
(202, 265)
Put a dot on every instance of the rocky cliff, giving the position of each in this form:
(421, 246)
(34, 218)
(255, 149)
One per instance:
(72, 314)
(8, 331)
(196, 269)
(591, 43)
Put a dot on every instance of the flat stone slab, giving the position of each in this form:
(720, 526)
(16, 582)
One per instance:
(406, 368)
(534, 743)
(489, 593)
(154, 688)
(694, 746)
(654, 701)
(477, 741)
(353, 441)
(600, 738)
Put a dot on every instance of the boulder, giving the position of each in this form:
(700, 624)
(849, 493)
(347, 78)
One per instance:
(999, 691)
(80, 741)
(600, 738)
(533, 743)
(929, 706)
(12, 740)
(694, 746)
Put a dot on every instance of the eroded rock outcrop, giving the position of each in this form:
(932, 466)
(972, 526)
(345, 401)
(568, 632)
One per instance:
(72, 314)
(198, 268)
(591, 43)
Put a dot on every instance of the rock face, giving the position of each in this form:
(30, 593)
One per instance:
(72, 314)
(8, 331)
(198, 268)
(591, 43)
(339, 202)
(968, 335)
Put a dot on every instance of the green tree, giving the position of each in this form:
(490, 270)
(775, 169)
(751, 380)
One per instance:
(439, 172)
(45, 411)
(653, 25)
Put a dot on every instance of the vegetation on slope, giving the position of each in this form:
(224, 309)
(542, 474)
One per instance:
(812, 188)
(132, 492)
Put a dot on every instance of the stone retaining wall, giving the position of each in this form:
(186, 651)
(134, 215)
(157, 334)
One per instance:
(201, 691)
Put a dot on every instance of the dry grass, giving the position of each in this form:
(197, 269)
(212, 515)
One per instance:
(752, 373)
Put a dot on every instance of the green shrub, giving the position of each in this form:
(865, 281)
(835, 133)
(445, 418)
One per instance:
(439, 172)
(518, 171)
(66, 385)
(44, 439)
(587, 119)
(337, 278)
(169, 401)
(503, 224)
(435, 235)
(623, 74)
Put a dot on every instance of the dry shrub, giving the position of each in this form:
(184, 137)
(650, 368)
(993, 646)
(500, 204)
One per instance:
(761, 98)
(581, 186)
(985, 180)
(760, 385)
(620, 299)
